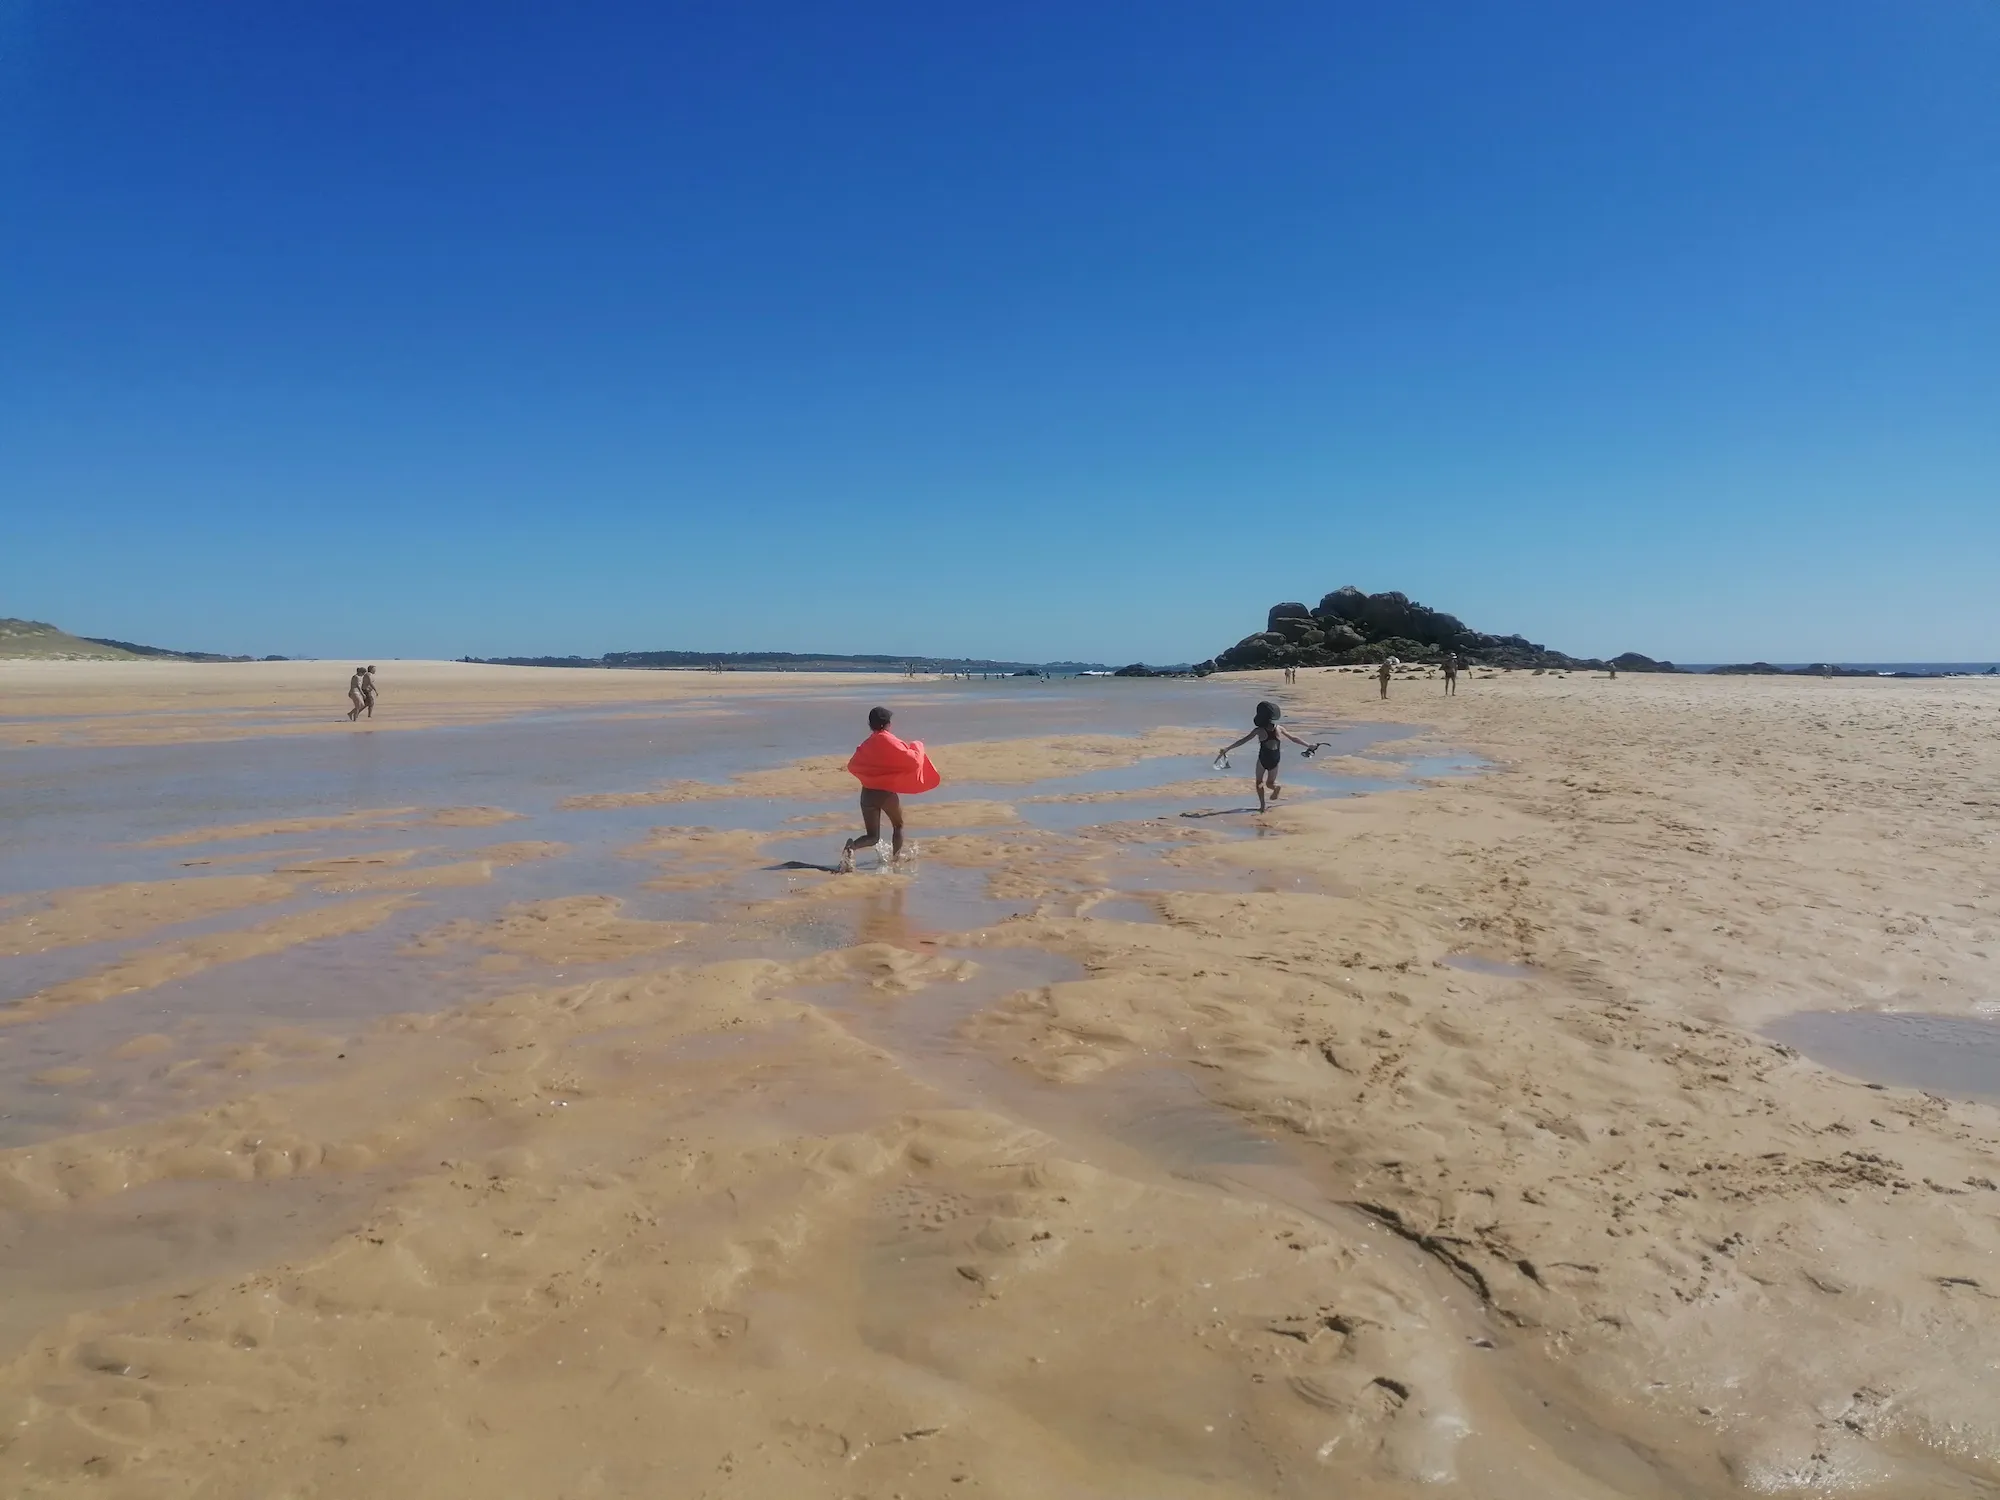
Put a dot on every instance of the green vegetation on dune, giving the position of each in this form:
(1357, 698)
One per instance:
(33, 640)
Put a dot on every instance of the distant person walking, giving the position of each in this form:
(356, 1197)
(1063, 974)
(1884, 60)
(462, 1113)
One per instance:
(368, 691)
(1269, 737)
(886, 767)
(1450, 674)
(354, 693)
(1383, 672)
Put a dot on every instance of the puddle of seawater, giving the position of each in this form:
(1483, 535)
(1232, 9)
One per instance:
(747, 1078)
(1163, 869)
(1125, 909)
(160, 1239)
(1496, 968)
(1166, 770)
(1149, 1109)
(1445, 766)
(1956, 1056)
(1162, 1113)
(910, 908)
(1227, 813)
(1201, 793)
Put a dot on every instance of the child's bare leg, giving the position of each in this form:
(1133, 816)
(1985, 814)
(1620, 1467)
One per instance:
(871, 820)
(893, 806)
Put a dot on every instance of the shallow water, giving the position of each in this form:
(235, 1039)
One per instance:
(1125, 909)
(83, 816)
(1957, 1056)
(1151, 1109)
(155, 1239)
(1496, 968)
(72, 814)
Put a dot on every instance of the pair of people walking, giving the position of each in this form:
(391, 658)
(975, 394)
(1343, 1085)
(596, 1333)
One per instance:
(1449, 663)
(361, 693)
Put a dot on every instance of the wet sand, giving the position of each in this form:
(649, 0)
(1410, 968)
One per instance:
(1422, 1136)
(153, 702)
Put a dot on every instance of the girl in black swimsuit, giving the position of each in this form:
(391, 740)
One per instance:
(1268, 736)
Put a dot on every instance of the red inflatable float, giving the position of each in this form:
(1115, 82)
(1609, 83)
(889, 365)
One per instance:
(883, 763)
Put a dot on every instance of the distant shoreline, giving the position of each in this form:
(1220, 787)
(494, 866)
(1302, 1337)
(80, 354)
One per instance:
(1871, 668)
(791, 661)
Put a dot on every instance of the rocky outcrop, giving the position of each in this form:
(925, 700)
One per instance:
(1140, 669)
(1348, 626)
(1817, 669)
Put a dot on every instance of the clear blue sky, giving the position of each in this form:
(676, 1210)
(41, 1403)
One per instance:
(1035, 330)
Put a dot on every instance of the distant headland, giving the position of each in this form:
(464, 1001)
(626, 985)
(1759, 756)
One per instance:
(794, 661)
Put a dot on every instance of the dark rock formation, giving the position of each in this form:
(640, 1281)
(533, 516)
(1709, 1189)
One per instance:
(1140, 669)
(1749, 669)
(1349, 626)
(1817, 669)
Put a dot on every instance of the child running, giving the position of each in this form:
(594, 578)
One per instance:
(1267, 734)
(886, 767)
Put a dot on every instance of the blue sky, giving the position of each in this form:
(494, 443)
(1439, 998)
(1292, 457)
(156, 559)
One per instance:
(1041, 330)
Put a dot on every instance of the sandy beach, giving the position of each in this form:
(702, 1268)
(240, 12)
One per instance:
(486, 1130)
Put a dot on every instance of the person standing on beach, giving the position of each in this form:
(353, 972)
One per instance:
(1382, 675)
(1450, 674)
(354, 690)
(368, 690)
(1269, 737)
(886, 767)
